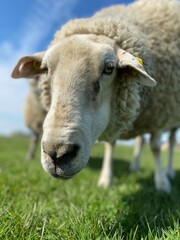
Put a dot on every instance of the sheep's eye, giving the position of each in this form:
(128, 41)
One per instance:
(44, 68)
(109, 67)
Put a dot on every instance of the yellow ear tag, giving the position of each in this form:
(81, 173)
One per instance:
(140, 60)
(134, 73)
(36, 65)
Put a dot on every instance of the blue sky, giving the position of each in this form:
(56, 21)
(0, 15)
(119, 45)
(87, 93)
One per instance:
(28, 27)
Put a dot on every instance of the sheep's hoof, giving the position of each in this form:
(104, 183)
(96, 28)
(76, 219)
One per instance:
(170, 173)
(104, 182)
(134, 168)
(162, 183)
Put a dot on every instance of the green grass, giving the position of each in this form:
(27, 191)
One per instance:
(33, 205)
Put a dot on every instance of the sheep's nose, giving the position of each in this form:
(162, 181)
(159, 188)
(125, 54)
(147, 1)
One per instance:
(61, 154)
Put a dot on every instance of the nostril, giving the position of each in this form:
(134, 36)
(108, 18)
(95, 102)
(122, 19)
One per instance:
(53, 155)
(62, 155)
(72, 150)
(69, 155)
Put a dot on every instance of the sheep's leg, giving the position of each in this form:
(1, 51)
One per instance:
(106, 171)
(161, 180)
(32, 147)
(138, 147)
(172, 141)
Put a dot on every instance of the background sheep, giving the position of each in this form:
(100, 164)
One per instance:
(34, 115)
(138, 147)
(101, 72)
(105, 178)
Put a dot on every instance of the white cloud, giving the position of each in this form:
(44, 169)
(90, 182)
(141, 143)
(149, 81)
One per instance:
(45, 14)
(36, 27)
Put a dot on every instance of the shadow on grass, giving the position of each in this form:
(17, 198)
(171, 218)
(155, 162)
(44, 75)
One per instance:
(120, 166)
(150, 212)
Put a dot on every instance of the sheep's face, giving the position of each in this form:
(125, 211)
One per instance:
(81, 70)
(81, 73)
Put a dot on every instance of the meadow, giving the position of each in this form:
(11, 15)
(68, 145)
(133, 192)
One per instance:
(33, 205)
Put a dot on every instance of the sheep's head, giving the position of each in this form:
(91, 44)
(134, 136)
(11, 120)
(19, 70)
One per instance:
(81, 70)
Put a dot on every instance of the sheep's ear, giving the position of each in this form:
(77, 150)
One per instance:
(28, 66)
(127, 60)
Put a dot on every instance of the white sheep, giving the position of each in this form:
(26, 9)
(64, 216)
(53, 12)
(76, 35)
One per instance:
(34, 115)
(101, 73)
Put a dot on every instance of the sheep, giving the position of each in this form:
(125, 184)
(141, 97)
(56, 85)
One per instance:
(139, 144)
(112, 76)
(106, 171)
(34, 115)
